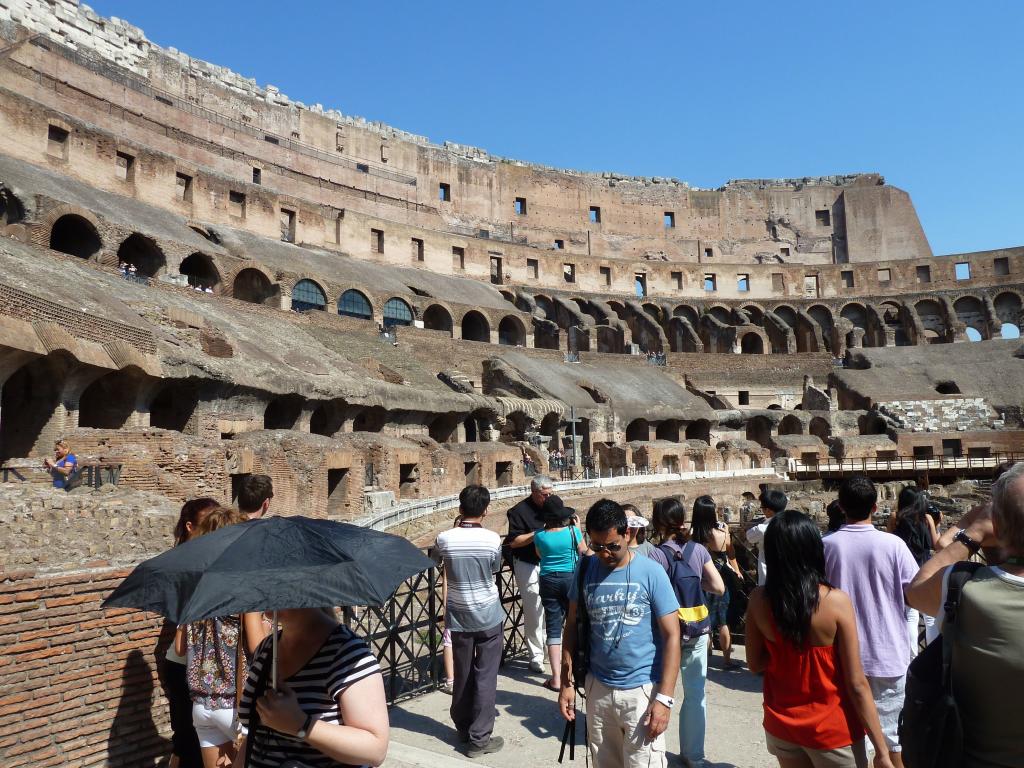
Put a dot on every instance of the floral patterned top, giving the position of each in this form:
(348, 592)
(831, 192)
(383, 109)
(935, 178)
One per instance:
(211, 660)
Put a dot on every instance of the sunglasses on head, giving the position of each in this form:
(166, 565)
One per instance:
(608, 547)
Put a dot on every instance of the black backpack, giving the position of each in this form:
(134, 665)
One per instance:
(931, 733)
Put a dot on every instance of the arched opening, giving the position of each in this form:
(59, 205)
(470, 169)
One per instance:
(973, 334)
(668, 430)
(932, 320)
(1008, 313)
(397, 312)
(787, 314)
(328, 418)
(549, 430)
(638, 429)
(142, 253)
(352, 303)
(687, 312)
(75, 236)
(1009, 331)
(28, 401)
(516, 425)
(872, 424)
(253, 286)
(282, 412)
(174, 405)
(755, 313)
(437, 318)
(307, 296)
(821, 428)
(445, 428)
(109, 402)
(790, 425)
(200, 271)
(971, 312)
(475, 327)
(370, 420)
(699, 430)
(11, 209)
(721, 314)
(759, 429)
(752, 344)
(511, 332)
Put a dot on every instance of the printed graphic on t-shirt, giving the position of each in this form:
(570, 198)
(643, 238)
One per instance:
(617, 608)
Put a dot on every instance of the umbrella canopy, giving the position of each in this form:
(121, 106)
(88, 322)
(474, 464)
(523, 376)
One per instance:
(271, 564)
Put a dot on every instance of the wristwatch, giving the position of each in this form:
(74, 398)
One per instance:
(967, 541)
(668, 701)
(304, 730)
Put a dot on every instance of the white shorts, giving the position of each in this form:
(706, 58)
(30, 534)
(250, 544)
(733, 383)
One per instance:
(888, 693)
(214, 727)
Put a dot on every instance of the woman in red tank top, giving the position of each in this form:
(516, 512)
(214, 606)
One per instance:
(802, 634)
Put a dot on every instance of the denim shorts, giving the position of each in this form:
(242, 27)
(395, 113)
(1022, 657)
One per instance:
(554, 596)
(718, 609)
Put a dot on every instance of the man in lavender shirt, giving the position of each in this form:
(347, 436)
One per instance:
(874, 568)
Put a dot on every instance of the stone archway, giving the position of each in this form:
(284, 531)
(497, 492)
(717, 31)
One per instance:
(75, 235)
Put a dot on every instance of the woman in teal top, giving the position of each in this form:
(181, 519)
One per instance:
(559, 546)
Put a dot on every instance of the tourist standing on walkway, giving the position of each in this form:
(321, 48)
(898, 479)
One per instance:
(772, 502)
(254, 495)
(633, 645)
(475, 617)
(988, 636)
(670, 521)
(215, 652)
(63, 464)
(184, 741)
(524, 520)
(873, 568)
(802, 634)
(559, 545)
(915, 526)
(714, 535)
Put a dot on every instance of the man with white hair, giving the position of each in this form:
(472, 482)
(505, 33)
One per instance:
(988, 654)
(524, 519)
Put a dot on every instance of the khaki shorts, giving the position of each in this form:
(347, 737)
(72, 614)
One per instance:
(853, 756)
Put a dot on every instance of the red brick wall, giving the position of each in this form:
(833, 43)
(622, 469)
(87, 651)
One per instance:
(78, 685)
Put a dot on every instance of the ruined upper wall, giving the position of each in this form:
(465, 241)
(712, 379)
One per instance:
(820, 220)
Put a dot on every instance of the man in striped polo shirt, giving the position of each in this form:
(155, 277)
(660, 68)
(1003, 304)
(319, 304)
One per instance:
(471, 556)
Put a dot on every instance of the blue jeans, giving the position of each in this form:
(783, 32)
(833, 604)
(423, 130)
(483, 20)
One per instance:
(693, 714)
(554, 596)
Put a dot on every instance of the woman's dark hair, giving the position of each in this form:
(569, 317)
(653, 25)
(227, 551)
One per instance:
(907, 496)
(910, 523)
(190, 512)
(556, 514)
(836, 516)
(795, 558)
(705, 520)
(669, 516)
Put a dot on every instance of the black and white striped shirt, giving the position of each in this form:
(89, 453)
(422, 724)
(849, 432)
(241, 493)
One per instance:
(343, 659)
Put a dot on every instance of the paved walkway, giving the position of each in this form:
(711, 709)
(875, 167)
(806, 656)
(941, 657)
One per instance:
(528, 720)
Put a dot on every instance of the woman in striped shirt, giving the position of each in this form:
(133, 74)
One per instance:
(329, 709)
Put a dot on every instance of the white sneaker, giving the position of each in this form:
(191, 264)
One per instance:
(536, 666)
(447, 687)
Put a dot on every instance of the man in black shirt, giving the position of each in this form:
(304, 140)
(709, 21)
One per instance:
(524, 519)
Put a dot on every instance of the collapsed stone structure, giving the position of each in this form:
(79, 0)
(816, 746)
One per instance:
(372, 318)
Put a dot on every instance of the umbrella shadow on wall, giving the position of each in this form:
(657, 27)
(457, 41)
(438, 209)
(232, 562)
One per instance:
(133, 732)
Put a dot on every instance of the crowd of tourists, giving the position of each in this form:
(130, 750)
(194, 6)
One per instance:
(624, 610)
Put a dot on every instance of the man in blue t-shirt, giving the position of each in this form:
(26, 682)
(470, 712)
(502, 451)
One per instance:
(634, 647)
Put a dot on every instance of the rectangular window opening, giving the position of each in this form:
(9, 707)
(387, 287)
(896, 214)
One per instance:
(257, 176)
(784, 253)
(744, 397)
(606, 276)
(236, 204)
(444, 192)
(743, 283)
(963, 270)
(271, 139)
(520, 206)
(670, 220)
(376, 241)
(57, 142)
(710, 282)
(952, 448)
(1001, 266)
(183, 187)
(677, 280)
(569, 273)
(847, 277)
(924, 273)
(823, 217)
(709, 253)
(287, 225)
(640, 284)
(778, 282)
(337, 492)
(125, 167)
(497, 276)
(417, 249)
(595, 214)
(503, 473)
(559, 245)
(884, 276)
(458, 257)
(532, 269)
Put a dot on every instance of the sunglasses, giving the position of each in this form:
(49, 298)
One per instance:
(606, 547)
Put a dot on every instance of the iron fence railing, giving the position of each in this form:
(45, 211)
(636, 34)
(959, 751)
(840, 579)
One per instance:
(406, 633)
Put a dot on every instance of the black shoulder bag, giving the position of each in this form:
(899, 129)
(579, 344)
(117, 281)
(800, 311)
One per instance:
(930, 729)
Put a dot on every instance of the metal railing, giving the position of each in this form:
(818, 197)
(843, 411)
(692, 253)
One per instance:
(406, 633)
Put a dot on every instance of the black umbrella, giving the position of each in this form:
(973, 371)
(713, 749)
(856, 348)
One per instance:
(271, 564)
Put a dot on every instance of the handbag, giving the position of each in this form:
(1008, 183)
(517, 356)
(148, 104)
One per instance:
(930, 728)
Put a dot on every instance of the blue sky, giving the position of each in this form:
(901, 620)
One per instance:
(928, 94)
